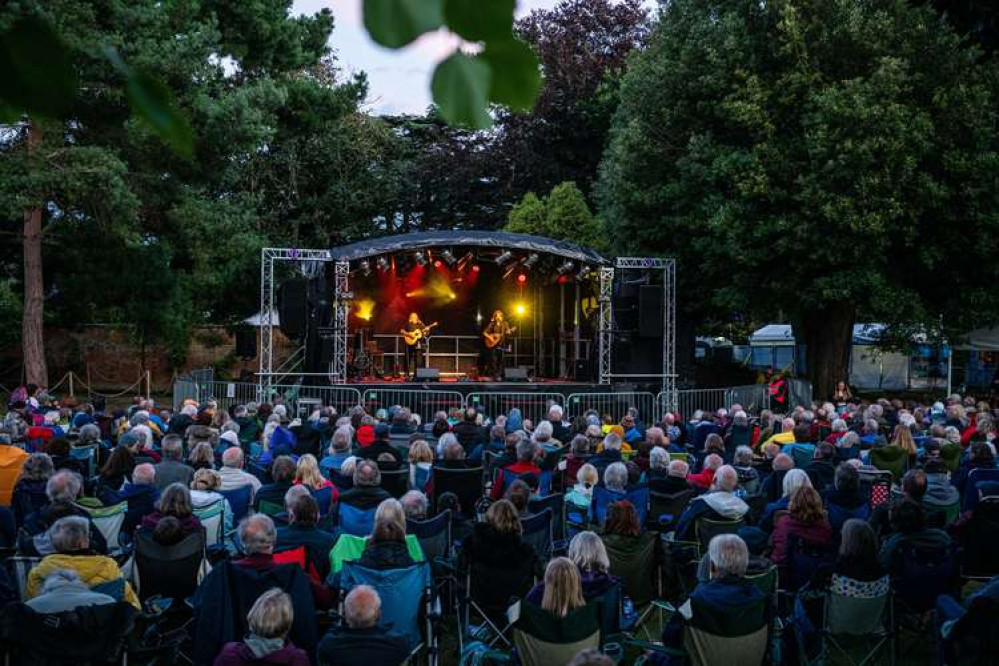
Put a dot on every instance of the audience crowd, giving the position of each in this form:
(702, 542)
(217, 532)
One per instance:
(271, 537)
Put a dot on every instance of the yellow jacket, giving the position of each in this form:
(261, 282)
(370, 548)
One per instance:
(11, 459)
(780, 438)
(92, 570)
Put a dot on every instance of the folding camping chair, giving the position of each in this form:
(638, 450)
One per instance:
(603, 497)
(396, 481)
(168, 571)
(665, 509)
(212, 517)
(543, 639)
(353, 520)
(855, 616)
(555, 502)
(109, 520)
(434, 535)
(537, 530)
(239, 501)
(465, 483)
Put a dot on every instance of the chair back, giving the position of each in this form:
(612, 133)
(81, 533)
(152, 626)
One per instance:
(402, 591)
(171, 571)
(665, 509)
(543, 639)
(709, 528)
(212, 517)
(979, 547)
(434, 535)
(556, 503)
(239, 501)
(804, 559)
(537, 531)
(269, 508)
(353, 520)
(85, 635)
(19, 566)
(741, 436)
(86, 454)
(324, 498)
(877, 485)
(950, 453)
(921, 573)
(891, 458)
(855, 608)
(603, 497)
(972, 492)
(109, 520)
(634, 561)
(465, 483)
(396, 481)
(706, 649)
(259, 471)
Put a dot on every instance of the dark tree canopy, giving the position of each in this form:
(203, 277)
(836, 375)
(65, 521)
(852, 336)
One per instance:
(813, 157)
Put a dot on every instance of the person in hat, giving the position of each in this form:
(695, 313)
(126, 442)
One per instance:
(381, 446)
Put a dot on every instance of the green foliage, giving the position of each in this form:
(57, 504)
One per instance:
(813, 157)
(461, 88)
(10, 312)
(516, 78)
(396, 23)
(563, 214)
(487, 21)
(37, 68)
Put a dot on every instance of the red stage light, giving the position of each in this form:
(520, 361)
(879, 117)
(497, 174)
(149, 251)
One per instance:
(475, 268)
(438, 263)
(522, 278)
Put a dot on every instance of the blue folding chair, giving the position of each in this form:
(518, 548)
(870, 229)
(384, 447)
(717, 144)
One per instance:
(324, 498)
(556, 503)
(972, 492)
(407, 601)
(352, 520)
(239, 501)
(536, 530)
(603, 497)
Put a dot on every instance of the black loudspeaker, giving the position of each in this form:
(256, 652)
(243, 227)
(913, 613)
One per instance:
(246, 342)
(327, 343)
(293, 296)
(583, 370)
(650, 311)
(514, 374)
(428, 374)
(625, 313)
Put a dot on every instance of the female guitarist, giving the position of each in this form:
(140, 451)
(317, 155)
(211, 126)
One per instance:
(413, 334)
(494, 337)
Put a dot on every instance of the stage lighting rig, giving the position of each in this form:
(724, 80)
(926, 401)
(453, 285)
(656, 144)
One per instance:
(420, 259)
(504, 258)
(530, 262)
(448, 257)
(583, 272)
(566, 268)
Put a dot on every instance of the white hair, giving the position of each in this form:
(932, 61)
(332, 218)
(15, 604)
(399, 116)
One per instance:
(793, 480)
(658, 457)
(729, 555)
(616, 476)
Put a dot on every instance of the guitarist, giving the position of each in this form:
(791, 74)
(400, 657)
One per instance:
(413, 334)
(494, 337)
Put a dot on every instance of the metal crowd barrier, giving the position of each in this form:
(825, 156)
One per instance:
(424, 403)
(341, 398)
(615, 404)
(532, 405)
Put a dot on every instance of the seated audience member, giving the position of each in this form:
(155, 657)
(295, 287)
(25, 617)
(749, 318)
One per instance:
(140, 493)
(118, 467)
(675, 480)
(526, 456)
(608, 452)
(386, 548)
(269, 620)
(233, 475)
(940, 493)
(908, 528)
(468, 433)
(62, 590)
(339, 449)
(786, 435)
(913, 487)
(453, 456)
(616, 477)
(589, 554)
(416, 505)
(582, 492)
(497, 543)
(561, 592)
(519, 494)
(282, 478)
(823, 467)
(773, 485)
(845, 501)
(366, 492)
(793, 480)
(719, 504)
(421, 464)
(579, 455)
(29, 491)
(658, 463)
(71, 541)
(622, 532)
(805, 520)
(704, 478)
(980, 456)
(380, 446)
(949, 610)
(172, 468)
(362, 642)
(204, 493)
(496, 444)
(728, 602)
(749, 477)
(174, 502)
(591, 657)
(201, 457)
(62, 491)
(857, 558)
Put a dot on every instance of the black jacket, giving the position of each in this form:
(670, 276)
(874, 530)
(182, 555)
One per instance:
(378, 447)
(363, 647)
(502, 566)
(318, 544)
(469, 435)
(821, 474)
(386, 555)
(364, 497)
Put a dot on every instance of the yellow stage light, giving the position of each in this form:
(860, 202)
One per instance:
(365, 309)
(520, 309)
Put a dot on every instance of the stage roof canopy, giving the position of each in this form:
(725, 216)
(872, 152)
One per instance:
(497, 240)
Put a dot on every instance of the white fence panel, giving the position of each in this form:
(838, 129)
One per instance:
(532, 405)
(614, 404)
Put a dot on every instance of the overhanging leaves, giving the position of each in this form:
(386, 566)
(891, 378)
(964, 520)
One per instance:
(516, 77)
(36, 70)
(395, 23)
(461, 90)
(480, 20)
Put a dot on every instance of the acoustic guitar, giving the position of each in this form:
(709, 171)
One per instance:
(414, 337)
(493, 339)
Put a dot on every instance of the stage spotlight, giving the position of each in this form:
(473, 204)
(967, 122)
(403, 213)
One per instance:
(531, 261)
(522, 278)
(448, 257)
(420, 259)
(520, 309)
(383, 264)
(583, 272)
(504, 258)
(566, 268)
(366, 267)
(475, 268)
(438, 264)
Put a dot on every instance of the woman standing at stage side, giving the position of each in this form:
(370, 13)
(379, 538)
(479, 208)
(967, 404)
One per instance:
(495, 338)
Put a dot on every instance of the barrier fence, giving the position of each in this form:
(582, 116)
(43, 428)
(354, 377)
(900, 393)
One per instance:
(533, 406)
(304, 399)
(615, 404)
(424, 403)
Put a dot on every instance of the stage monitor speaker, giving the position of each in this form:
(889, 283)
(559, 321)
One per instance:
(292, 303)
(515, 374)
(246, 342)
(650, 311)
(428, 374)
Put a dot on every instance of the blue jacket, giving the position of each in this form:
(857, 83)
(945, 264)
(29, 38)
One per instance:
(141, 502)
